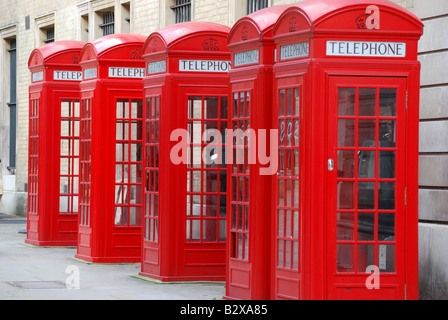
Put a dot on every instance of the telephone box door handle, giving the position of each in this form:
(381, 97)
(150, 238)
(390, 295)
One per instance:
(330, 164)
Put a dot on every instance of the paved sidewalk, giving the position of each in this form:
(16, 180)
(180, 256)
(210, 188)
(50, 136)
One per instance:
(28, 272)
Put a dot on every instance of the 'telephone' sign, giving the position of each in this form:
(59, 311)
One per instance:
(123, 72)
(67, 75)
(204, 65)
(366, 49)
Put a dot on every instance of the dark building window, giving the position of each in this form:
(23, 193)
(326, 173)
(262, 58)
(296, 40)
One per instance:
(182, 10)
(108, 23)
(50, 35)
(12, 103)
(255, 5)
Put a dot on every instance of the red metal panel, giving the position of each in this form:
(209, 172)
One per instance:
(55, 77)
(321, 40)
(250, 258)
(110, 153)
(185, 86)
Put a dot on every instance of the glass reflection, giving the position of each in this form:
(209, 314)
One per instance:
(346, 101)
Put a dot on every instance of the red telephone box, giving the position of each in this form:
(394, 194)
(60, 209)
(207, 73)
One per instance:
(347, 101)
(111, 149)
(53, 160)
(253, 54)
(186, 88)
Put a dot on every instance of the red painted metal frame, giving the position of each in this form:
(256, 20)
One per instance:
(248, 274)
(102, 237)
(47, 224)
(167, 254)
(315, 22)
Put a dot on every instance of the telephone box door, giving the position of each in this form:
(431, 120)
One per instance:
(366, 171)
(288, 230)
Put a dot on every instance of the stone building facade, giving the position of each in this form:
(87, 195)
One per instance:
(27, 24)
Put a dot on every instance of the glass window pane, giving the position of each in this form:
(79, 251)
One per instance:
(287, 254)
(296, 101)
(211, 181)
(282, 102)
(295, 224)
(386, 195)
(64, 168)
(295, 193)
(211, 108)
(156, 109)
(346, 101)
(288, 223)
(344, 258)
(388, 99)
(366, 226)
(296, 164)
(366, 133)
(209, 231)
(386, 165)
(240, 217)
(295, 255)
(387, 133)
(280, 253)
(65, 109)
(65, 128)
(247, 104)
(386, 258)
(148, 113)
(345, 224)
(282, 133)
(296, 132)
(235, 105)
(288, 193)
(367, 102)
(366, 164)
(222, 206)
(241, 105)
(346, 133)
(386, 227)
(246, 246)
(345, 163)
(240, 246)
(210, 206)
(289, 102)
(193, 230)
(289, 132)
(222, 230)
(195, 107)
(346, 195)
(281, 225)
(234, 214)
(224, 107)
(366, 256)
(366, 195)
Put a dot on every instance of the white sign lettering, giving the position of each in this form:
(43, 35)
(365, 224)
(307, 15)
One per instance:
(122, 72)
(246, 57)
(156, 66)
(204, 65)
(38, 76)
(366, 49)
(294, 50)
(67, 75)
(90, 73)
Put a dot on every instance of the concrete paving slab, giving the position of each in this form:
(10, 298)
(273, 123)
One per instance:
(22, 263)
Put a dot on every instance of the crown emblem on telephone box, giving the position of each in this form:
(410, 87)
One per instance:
(136, 54)
(211, 44)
